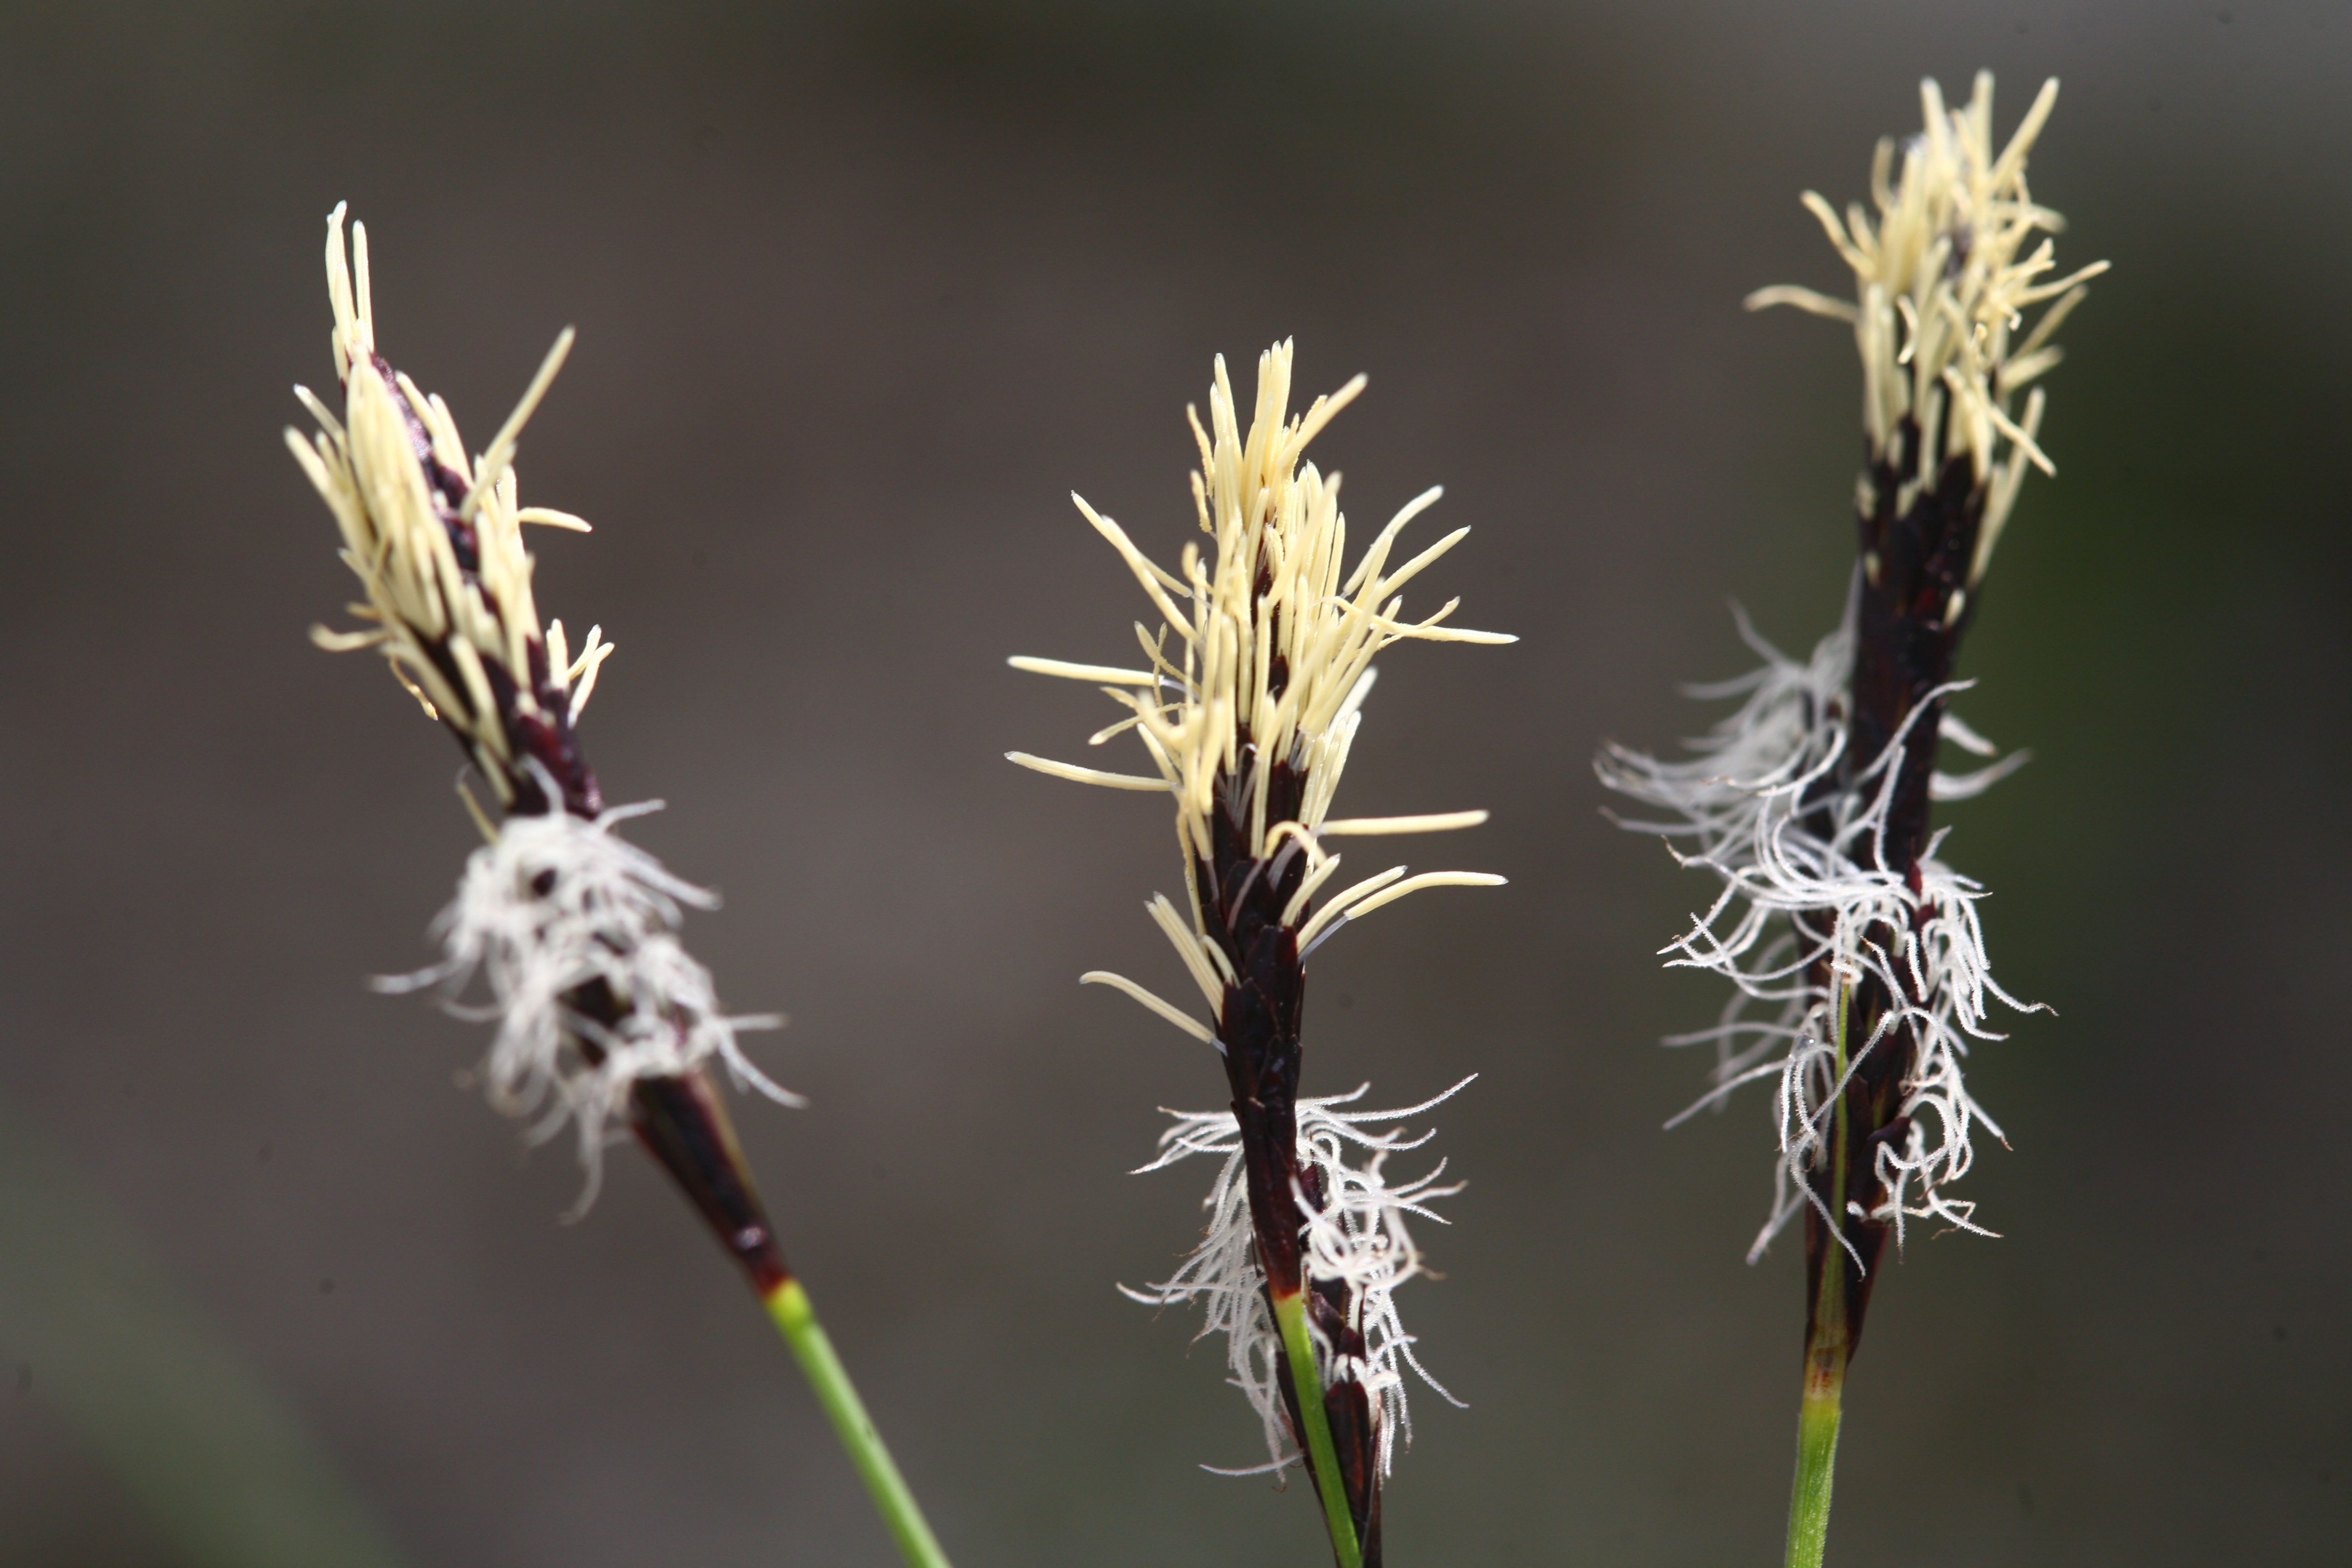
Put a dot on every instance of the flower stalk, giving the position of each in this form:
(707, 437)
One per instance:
(1827, 1347)
(1947, 261)
(1817, 1436)
(1247, 719)
(602, 1013)
(787, 1305)
(1349, 1523)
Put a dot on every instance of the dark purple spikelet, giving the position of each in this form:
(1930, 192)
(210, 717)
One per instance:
(436, 540)
(1813, 803)
(1247, 722)
(1911, 606)
(1258, 1023)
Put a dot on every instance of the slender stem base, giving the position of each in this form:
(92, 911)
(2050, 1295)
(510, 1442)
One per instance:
(795, 1319)
(1323, 1454)
(1828, 1345)
(1808, 1503)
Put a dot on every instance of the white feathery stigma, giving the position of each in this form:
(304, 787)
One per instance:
(556, 902)
(1741, 808)
(1356, 1236)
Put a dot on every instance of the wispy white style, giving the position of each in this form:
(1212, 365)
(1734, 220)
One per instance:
(1739, 805)
(552, 904)
(1358, 1237)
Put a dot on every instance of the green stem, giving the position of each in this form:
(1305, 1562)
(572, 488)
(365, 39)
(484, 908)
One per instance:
(795, 1319)
(1306, 1381)
(1825, 1354)
(1808, 1506)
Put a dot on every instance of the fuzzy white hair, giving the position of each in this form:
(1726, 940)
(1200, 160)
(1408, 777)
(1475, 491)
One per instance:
(556, 902)
(1746, 806)
(1358, 1237)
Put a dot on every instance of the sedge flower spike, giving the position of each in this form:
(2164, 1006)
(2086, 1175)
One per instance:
(1855, 952)
(1246, 717)
(601, 1012)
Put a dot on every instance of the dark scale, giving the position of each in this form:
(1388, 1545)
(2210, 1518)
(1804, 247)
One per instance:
(1915, 571)
(544, 738)
(1241, 900)
(678, 1121)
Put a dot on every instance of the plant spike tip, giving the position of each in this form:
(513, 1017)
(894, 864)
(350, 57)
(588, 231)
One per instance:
(1811, 803)
(1246, 720)
(602, 1013)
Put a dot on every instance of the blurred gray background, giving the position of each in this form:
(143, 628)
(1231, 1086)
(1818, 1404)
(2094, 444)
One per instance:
(862, 293)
